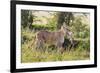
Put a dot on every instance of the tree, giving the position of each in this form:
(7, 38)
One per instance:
(66, 17)
(26, 18)
(81, 30)
(30, 19)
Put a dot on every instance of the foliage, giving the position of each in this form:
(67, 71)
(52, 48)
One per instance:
(32, 22)
(43, 27)
(81, 30)
(30, 54)
(66, 17)
(26, 18)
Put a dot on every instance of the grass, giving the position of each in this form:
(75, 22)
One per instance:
(29, 54)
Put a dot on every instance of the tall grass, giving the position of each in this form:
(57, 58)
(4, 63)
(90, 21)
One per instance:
(30, 54)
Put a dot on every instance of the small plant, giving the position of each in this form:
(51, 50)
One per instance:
(29, 55)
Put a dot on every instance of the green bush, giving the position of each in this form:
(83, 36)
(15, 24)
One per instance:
(43, 27)
(84, 45)
(29, 55)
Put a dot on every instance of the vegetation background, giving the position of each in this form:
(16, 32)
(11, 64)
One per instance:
(34, 21)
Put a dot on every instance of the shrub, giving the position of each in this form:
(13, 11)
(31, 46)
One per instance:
(42, 27)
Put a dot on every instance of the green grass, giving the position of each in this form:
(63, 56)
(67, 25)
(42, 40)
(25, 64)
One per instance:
(29, 54)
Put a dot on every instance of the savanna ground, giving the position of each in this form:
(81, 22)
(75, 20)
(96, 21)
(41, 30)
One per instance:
(30, 54)
(80, 29)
